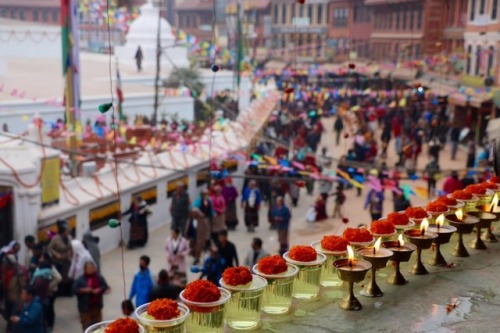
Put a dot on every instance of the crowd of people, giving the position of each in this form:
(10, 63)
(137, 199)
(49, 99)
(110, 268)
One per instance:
(201, 226)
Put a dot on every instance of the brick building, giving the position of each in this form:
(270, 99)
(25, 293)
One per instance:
(43, 11)
(405, 29)
(482, 40)
(299, 31)
(454, 20)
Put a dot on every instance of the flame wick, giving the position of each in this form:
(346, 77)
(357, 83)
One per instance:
(494, 203)
(401, 242)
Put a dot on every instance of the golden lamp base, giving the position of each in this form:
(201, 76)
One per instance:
(350, 302)
(397, 278)
(438, 259)
(489, 237)
(372, 289)
(419, 268)
(460, 250)
(477, 243)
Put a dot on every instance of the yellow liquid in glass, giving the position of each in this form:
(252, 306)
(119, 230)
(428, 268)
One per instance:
(211, 322)
(328, 276)
(471, 206)
(179, 328)
(243, 311)
(306, 284)
(277, 297)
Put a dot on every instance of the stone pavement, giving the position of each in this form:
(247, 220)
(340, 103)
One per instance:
(416, 307)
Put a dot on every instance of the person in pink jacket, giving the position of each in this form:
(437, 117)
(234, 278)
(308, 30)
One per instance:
(219, 205)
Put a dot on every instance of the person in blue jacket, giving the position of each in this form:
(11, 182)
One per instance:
(30, 318)
(143, 283)
(212, 267)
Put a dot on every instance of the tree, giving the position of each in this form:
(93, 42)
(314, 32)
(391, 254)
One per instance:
(190, 78)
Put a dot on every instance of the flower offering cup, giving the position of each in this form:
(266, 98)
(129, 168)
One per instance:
(206, 317)
(101, 327)
(277, 297)
(329, 276)
(174, 325)
(306, 284)
(243, 309)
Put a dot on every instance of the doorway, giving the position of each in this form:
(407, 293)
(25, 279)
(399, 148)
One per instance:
(6, 215)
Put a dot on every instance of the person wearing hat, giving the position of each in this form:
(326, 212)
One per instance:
(61, 252)
(179, 208)
(138, 211)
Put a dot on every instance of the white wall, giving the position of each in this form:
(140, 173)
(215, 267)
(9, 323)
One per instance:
(30, 40)
(12, 112)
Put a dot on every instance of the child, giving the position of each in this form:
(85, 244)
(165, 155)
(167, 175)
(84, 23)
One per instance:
(128, 308)
(143, 282)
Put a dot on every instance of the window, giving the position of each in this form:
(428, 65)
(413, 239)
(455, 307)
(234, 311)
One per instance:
(412, 17)
(355, 13)
(389, 21)
(397, 18)
(320, 14)
(482, 6)
(55, 16)
(340, 17)
(494, 9)
(417, 51)
(301, 11)
(275, 14)
(396, 52)
(188, 21)
(404, 18)
(21, 15)
(13, 13)
(294, 11)
(35, 15)
(491, 53)
(420, 13)
(478, 60)
(45, 15)
(472, 10)
(310, 13)
(283, 14)
(4, 12)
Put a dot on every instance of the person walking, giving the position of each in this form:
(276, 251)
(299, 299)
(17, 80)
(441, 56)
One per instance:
(281, 217)
(139, 56)
(176, 250)
(30, 318)
(339, 202)
(471, 153)
(454, 140)
(91, 243)
(250, 202)
(219, 205)
(256, 253)
(374, 202)
(179, 208)
(163, 288)
(227, 250)
(61, 252)
(431, 172)
(143, 282)
(89, 289)
(54, 280)
(198, 234)
(138, 211)
(78, 260)
(338, 126)
(230, 194)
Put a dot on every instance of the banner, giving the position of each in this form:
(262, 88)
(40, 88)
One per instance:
(50, 181)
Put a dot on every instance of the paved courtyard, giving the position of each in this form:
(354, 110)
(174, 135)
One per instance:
(418, 307)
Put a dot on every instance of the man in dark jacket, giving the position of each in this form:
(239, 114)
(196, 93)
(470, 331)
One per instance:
(179, 208)
(30, 318)
(227, 250)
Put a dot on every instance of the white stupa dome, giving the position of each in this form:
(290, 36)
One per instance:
(145, 28)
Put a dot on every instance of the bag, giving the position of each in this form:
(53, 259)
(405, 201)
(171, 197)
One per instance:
(311, 215)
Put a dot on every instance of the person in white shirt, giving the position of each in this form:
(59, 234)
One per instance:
(256, 253)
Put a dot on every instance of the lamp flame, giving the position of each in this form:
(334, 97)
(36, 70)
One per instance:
(494, 203)
(350, 255)
(376, 247)
(440, 220)
(401, 241)
(459, 214)
(423, 226)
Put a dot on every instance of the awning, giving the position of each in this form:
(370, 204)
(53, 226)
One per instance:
(475, 100)
(440, 89)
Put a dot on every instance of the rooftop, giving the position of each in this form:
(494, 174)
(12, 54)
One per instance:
(196, 5)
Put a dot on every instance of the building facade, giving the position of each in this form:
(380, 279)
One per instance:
(454, 20)
(405, 29)
(43, 11)
(299, 31)
(482, 40)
